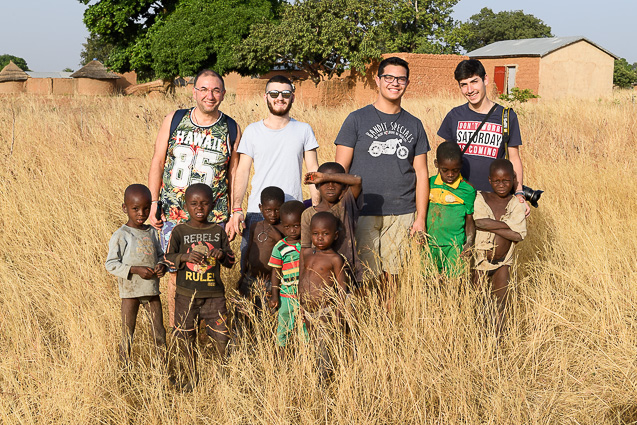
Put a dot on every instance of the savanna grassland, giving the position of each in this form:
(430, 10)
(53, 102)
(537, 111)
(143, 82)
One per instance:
(569, 356)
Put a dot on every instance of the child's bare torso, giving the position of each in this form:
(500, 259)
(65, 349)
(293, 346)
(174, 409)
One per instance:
(499, 208)
(320, 269)
(264, 239)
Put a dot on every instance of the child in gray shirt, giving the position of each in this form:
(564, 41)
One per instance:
(134, 252)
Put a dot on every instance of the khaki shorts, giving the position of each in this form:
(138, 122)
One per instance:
(382, 241)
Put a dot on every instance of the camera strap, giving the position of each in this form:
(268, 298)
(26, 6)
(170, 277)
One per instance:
(475, 133)
(505, 133)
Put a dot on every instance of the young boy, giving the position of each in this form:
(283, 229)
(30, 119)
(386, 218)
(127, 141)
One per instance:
(450, 216)
(501, 223)
(196, 249)
(285, 271)
(134, 252)
(322, 277)
(340, 195)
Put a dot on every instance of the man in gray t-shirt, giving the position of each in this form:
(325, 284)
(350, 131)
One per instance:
(278, 145)
(387, 147)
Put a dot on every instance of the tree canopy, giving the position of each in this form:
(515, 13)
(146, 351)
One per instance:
(21, 63)
(324, 37)
(488, 27)
(95, 48)
(624, 74)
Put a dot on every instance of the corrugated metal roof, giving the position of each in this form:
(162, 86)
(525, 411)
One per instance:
(529, 47)
(49, 74)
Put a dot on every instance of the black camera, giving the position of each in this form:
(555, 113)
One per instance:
(532, 196)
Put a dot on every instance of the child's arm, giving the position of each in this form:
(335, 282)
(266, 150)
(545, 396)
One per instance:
(253, 228)
(354, 182)
(340, 282)
(470, 231)
(173, 258)
(276, 287)
(500, 228)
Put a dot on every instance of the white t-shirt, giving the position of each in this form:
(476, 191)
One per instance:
(278, 158)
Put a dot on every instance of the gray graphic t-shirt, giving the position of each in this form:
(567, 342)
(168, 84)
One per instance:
(384, 149)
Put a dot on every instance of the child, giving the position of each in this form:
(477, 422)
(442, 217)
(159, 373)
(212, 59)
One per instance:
(340, 195)
(255, 283)
(133, 256)
(285, 271)
(196, 249)
(501, 222)
(322, 277)
(450, 215)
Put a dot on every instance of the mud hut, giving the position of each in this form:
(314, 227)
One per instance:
(94, 79)
(12, 79)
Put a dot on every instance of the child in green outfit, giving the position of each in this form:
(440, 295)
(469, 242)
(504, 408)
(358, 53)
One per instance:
(450, 222)
(285, 271)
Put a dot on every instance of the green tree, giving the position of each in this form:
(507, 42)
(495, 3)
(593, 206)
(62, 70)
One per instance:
(95, 48)
(624, 74)
(135, 30)
(67, 70)
(324, 37)
(488, 27)
(21, 63)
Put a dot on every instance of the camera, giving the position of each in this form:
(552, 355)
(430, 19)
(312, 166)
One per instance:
(532, 196)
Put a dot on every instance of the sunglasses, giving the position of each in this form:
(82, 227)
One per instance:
(275, 93)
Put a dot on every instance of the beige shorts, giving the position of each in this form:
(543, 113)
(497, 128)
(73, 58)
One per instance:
(382, 241)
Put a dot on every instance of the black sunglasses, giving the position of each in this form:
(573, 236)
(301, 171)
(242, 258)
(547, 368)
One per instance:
(275, 93)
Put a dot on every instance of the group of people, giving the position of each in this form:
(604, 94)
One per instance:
(364, 207)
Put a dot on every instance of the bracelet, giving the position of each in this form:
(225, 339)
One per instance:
(519, 193)
(154, 202)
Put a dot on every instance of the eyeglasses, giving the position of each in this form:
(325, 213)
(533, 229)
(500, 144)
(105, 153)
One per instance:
(388, 78)
(205, 90)
(275, 93)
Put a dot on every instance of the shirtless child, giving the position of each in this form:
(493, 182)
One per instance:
(500, 223)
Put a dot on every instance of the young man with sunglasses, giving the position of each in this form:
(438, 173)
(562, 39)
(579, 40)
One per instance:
(387, 147)
(195, 148)
(278, 146)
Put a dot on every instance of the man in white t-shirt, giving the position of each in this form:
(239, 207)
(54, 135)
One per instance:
(277, 145)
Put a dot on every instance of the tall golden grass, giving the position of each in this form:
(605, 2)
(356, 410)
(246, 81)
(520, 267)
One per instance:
(569, 356)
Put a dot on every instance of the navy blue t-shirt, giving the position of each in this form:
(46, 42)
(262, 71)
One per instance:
(460, 124)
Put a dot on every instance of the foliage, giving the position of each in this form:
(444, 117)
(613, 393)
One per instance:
(96, 48)
(204, 35)
(324, 37)
(488, 27)
(624, 74)
(21, 63)
(518, 95)
(67, 70)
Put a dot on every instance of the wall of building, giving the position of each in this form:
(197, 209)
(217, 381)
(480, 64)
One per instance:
(41, 86)
(8, 87)
(578, 70)
(91, 87)
(527, 74)
(63, 85)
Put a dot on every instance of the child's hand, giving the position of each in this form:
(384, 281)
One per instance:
(216, 253)
(143, 272)
(313, 177)
(273, 303)
(160, 270)
(194, 257)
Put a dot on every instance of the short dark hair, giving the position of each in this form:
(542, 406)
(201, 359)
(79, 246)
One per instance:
(325, 216)
(199, 188)
(294, 208)
(448, 151)
(272, 193)
(501, 164)
(137, 190)
(333, 167)
(206, 72)
(469, 68)
(393, 61)
(280, 79)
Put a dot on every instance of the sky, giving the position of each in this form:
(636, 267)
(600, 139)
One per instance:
(49, 34)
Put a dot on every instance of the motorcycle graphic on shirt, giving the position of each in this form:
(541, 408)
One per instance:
(388, 147)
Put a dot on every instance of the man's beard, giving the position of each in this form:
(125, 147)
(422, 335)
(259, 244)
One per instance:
(279, 113)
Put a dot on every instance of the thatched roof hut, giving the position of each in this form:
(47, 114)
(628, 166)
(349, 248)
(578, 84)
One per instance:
(94, 70)
(12, 72)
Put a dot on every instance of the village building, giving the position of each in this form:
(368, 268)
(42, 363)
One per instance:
(95, 79)
(552, 68)
(12, 79)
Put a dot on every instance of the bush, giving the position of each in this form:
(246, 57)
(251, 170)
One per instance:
(518, 95)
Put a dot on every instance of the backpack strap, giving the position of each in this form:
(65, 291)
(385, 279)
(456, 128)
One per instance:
(180, 113)
(232, 130)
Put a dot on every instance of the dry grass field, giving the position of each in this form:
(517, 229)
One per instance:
(569, 357)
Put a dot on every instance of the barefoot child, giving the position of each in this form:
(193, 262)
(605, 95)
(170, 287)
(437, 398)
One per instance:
(285, 271)
(196, 249)
(134, 252)
(450, 214)
(501, 223)
(340, 195)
